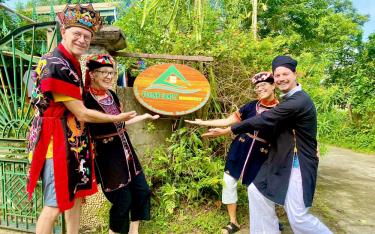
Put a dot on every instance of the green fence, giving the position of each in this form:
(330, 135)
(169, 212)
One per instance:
(17, 212)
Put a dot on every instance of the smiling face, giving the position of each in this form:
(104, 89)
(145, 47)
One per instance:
(265, 90)
(102, 78)
(285, 79)
(76, 40)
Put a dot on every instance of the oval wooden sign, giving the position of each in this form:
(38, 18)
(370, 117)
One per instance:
(171, 89)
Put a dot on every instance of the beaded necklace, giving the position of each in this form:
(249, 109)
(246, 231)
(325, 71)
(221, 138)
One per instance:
(263, 105)
(107, 100)
(99, 92)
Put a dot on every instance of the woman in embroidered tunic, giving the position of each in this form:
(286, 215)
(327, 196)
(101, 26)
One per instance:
(118, 168)
(247, 152)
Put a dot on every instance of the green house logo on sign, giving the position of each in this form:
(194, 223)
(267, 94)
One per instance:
(168, 81)
(171, 89)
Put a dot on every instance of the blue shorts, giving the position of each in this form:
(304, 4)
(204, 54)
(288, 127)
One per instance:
(48, 181)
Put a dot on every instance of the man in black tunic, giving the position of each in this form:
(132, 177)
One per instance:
(288, 177)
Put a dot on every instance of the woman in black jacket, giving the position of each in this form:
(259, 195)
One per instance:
(118, 169)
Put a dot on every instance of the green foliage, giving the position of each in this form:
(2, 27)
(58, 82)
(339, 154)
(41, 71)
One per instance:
(319, 33)
(186, 170)
(194, 9)
(352, 102)
(7, 20)
(150, 127)
(334, 128)
(335, 68)
(103, 213)
(193, 219)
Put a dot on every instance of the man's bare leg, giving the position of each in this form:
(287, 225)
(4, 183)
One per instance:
(72, 217)
(46, 220)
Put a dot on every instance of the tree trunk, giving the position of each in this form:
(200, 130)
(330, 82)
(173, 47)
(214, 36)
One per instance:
(254, 18)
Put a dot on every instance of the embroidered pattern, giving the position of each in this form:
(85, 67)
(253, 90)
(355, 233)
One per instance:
(78, 141)
(65, 66)
(109, 107)
(38, 99)
(34, 134)
(79, 145)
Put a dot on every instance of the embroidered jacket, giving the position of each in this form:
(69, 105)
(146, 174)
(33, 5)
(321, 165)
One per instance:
(59, 72)
(116, 162)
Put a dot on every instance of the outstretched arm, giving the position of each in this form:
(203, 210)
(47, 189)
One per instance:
(215, 132)
(271, 118)
(266, 119)
(232, 119)
(141, 117)
(92, 116)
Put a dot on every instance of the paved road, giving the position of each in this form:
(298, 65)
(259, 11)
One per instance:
(347, 182)
(345, 198)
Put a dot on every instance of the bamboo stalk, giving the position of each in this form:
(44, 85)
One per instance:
(144, 15)
(254, 19)
(174, 12)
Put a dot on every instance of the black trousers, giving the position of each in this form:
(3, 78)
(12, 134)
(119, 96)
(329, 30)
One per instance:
(134, 199)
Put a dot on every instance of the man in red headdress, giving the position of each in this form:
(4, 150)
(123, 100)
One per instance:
(59, 145)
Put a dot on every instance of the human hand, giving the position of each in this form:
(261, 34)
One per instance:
(127, 115)
(153, 117)
(215, 132)
(196, 121)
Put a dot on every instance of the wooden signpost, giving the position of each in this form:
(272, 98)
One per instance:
(171, 89)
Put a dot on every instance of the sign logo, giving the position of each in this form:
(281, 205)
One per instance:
(171, 89)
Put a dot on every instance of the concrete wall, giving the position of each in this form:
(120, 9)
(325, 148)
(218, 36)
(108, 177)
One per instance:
(140, 136)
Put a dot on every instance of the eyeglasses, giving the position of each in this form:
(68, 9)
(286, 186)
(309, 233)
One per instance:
(106, 73)
(260, 86)
(78, 35)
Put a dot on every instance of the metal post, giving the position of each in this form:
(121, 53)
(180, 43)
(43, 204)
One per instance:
(15, 104)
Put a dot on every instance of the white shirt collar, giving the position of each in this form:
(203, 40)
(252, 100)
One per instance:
(292, 91)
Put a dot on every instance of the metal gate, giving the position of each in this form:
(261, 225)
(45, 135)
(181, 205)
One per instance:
(19, 51)
(17, 212)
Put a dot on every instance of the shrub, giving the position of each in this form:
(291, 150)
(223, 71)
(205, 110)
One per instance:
(185, 170)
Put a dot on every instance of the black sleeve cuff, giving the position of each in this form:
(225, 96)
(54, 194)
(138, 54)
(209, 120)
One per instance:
(242, 127)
